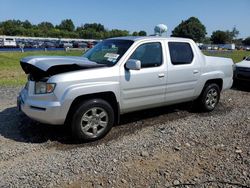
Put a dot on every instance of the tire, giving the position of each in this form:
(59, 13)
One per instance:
(92, 120)
(209, 97)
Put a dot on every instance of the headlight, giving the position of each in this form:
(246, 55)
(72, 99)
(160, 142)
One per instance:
(43, 87)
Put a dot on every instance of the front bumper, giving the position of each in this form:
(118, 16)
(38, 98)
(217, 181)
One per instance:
(49, 112)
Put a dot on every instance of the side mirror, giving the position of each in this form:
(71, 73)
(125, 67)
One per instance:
(133, 64)
(244, 58)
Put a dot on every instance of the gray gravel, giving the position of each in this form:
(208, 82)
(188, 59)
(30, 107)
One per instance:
(164, 147)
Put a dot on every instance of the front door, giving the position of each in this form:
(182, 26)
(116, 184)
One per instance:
(145, 87)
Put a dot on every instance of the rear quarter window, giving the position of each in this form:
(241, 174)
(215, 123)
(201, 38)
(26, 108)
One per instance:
(181, 53)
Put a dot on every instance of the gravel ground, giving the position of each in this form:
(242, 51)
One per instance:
(164, 147)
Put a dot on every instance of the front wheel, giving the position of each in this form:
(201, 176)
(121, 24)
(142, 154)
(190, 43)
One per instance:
(92, 120)
(210, 97)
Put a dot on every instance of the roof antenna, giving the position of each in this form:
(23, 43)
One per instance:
(160, 29)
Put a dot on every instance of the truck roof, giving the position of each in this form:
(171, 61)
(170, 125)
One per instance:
(137, 38)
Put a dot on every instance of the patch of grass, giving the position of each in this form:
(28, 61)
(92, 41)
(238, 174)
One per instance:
(11, 73)
(237, 56)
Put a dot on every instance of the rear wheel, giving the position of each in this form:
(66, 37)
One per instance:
(209, 97)
(92, 120)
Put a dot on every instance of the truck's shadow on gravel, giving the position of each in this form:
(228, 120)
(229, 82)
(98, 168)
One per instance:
(243, 86)
(16, 126)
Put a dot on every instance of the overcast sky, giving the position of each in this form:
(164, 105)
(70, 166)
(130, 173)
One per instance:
(133, 15)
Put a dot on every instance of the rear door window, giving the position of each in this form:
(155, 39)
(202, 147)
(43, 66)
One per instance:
(181, 53)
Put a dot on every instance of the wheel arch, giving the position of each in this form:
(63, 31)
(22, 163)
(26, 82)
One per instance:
(218, 81)
(107, 96)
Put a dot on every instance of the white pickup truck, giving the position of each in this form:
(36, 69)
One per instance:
(118, 76)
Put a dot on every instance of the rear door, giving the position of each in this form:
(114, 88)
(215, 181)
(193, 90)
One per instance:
(184, 70)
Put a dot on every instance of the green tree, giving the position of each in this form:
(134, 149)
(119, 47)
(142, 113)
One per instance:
(142, 33)
(66, 29)
(95, 26)
(10, 27)
(118, 33)
(238, 42)
(44, 29)
(135, 33)
(27, 25)
(45, 25)
(246, 41)
(234, 33)
(87, 33)
(221, 37)
(92, 31)
(191, 28)
(67, 25)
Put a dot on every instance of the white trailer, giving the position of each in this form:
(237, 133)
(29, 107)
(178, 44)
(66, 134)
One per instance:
(229, 46)
(9, 42)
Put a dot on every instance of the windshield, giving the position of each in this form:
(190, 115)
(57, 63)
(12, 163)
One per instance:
(248, 58)
(108, 52)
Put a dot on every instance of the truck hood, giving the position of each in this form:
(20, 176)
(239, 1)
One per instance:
(243, 64)
(46, 66)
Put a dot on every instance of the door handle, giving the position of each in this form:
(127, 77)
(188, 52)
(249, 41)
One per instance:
(161, 75)
(195, 71)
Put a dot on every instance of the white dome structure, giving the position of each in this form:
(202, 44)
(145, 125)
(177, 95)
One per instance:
(160, 29)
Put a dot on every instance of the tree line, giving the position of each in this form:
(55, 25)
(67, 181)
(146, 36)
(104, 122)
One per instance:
(191, 28)
(66, 29)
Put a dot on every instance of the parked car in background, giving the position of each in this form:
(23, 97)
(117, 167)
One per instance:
(242, 71)
(78, 44)
(64, 44)
(30, 44)
(40, 44)
(9, 43)
(90, 45)
(48, 44)
(118, 76)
